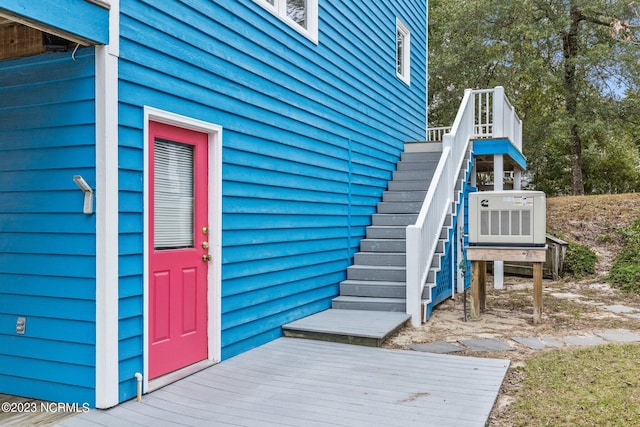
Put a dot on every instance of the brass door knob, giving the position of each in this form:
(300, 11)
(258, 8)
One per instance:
(206, 257)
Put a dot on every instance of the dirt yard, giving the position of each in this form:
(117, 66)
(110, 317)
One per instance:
(570, 307)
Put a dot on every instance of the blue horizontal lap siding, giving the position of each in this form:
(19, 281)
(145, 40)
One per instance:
(82, 18)
(311, 136)
(47, 245)
(130, 291)
(131, 246)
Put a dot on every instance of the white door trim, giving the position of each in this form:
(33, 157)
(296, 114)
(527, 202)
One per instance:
(215, 226)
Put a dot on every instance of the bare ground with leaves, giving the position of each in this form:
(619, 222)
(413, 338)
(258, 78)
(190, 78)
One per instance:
(570, 307)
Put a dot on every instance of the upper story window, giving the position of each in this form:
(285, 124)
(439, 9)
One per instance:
(403, 52)
(302, 15)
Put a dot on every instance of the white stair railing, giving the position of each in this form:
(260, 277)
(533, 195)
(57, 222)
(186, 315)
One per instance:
(436, 134)
(482, 114)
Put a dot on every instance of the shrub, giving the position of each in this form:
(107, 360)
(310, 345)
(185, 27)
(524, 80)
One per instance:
(580, 260)
(625, 271)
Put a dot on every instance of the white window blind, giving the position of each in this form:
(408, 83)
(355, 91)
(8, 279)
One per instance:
(173, 195)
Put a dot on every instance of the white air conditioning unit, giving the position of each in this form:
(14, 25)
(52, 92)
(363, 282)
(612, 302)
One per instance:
(507, 218)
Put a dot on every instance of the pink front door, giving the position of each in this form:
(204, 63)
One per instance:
(177, 248)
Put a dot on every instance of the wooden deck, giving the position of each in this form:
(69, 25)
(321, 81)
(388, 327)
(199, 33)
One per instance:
(361, 327)
(296, 382)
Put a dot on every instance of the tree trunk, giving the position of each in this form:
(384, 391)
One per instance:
(570, 52)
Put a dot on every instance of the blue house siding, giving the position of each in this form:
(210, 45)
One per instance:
(311, 136)
(47, 245)
(79, 18)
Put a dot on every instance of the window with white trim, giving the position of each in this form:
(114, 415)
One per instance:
(301, 15)
(403, 52)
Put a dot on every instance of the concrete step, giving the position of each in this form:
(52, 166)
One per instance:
(393, 219)
(386, 232)
(383, 245)
(369, 304)
(379, 289)
(399, 207)
(380, 258)
(348, 326)
(404, 196)
(383, 273)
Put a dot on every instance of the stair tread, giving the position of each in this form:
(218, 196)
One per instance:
(377, 267)
(378, 255)
(369, 253)
(345, 298)
(373, 282)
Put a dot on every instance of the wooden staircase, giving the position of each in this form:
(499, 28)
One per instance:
(377, 279)
(371, 304)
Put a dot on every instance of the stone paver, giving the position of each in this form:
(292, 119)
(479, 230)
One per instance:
(584, 340)
(565, 295)
(618, 308)
(440, 347)
(592, 303)
(538, 343)
(552, 342)
(533, 343)
(485, 344)
(619, 335)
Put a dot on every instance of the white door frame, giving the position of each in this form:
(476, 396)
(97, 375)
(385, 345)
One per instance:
(214, 315)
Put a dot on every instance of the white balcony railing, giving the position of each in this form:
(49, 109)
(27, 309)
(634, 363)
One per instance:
(436, 134)
(482, 114)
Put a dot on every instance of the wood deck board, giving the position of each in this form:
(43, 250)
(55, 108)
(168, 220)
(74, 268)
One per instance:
(371, 324)
(293, 382)
(380, 376)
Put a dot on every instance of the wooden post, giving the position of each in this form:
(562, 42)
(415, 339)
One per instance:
(483, 285)
(479, 256)
(537, 292)
(475, 289)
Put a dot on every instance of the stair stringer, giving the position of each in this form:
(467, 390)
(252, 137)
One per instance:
(429, 300)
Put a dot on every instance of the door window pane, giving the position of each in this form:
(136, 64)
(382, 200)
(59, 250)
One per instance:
(173, 206)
